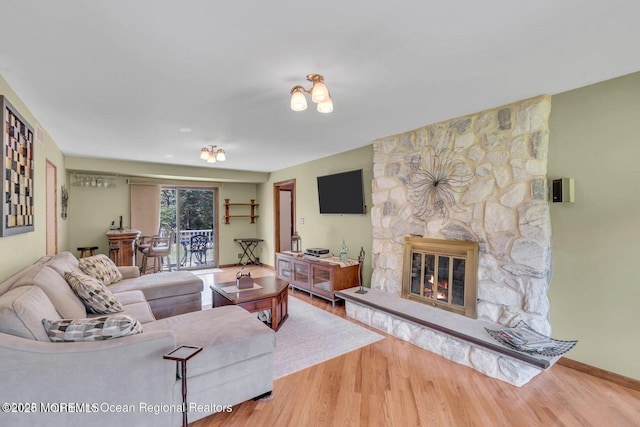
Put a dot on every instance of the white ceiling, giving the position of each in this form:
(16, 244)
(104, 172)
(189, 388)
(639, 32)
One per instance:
(119, 78)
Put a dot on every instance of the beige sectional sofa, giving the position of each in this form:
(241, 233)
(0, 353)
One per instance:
(124, 381)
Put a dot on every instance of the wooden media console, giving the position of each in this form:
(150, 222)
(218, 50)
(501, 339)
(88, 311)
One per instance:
(320, 277)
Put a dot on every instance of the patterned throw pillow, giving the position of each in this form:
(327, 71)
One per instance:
(101, 267)
(93, 293)
(93, 329)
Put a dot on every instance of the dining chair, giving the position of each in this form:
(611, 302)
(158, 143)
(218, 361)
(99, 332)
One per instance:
(157, 247)
(198, 246)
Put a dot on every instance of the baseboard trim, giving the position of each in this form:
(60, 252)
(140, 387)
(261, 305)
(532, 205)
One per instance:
(600, 373)
(270, 267)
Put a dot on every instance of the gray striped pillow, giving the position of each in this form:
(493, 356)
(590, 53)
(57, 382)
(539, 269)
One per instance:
(92, 329)
(93, 293)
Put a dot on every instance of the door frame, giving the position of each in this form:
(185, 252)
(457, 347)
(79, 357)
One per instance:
(51, 216)
(290, 185)
(215, 223)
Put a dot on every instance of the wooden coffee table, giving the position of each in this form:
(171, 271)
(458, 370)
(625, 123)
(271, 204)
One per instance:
(272, 295)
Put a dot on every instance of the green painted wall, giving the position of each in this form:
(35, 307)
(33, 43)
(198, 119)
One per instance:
(237, 227)
(594, 291)
(91, 211)
(324, 231)
(21, 250)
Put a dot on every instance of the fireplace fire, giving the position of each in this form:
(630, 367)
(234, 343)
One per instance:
(441, 273)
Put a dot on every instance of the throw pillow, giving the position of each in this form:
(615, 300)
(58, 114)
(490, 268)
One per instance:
(101, 267)
(93, 293)
(93, 329)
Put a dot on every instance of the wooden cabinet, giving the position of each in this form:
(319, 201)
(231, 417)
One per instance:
(122, 249)
(319, 277)
(252, 205)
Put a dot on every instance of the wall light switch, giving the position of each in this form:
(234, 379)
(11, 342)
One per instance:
(301, 220)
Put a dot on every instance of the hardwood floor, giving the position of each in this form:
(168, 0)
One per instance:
(394, 383)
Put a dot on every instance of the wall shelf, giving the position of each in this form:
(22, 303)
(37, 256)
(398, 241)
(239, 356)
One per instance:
(252, 215)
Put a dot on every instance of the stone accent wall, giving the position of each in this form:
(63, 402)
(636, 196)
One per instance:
(504, 206)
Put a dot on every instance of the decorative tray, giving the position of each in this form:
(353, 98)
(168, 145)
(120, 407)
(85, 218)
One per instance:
(525, 339)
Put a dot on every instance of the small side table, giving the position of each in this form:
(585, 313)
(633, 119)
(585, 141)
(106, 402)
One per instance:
(181, 355)
(248, 245)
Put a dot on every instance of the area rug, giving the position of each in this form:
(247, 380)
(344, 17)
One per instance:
(310, 336)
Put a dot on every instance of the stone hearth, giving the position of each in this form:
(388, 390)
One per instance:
(452, 336)
(479, 178)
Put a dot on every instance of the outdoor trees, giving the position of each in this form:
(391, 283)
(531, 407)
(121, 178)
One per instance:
(196, 208)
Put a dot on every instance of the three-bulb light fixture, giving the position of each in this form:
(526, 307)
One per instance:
(212, 154)
(319, 95)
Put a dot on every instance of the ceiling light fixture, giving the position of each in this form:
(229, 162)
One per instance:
(319, 95)
(212, 154)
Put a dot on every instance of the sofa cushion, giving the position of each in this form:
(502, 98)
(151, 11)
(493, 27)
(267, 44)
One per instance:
(135, 305)
(92, 329)
(22, 310)
(140, 311)
(162, 285)
(66, 302)
(12, 281)
(61, 266)
(129, 297)
(232, 334)
(173, 306)
(129, 271)
(101, 267)
(67, 257)
(95, 295)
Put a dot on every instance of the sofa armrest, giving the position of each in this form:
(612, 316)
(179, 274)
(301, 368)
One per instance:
(129, 271)
(127, 371)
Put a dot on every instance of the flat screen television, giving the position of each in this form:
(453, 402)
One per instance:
(341, 193)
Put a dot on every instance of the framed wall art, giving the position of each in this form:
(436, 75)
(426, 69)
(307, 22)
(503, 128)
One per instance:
(17, 172)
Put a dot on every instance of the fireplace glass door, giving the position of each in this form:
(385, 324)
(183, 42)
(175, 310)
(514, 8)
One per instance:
(441, 277)
(438, 278)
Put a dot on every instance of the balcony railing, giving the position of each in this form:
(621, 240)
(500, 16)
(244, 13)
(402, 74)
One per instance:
(188, 259)
(186, 235)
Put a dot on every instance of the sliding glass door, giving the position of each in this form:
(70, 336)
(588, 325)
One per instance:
(192, 213)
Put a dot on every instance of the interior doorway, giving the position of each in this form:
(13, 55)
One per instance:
(51, 209)
(284, 196)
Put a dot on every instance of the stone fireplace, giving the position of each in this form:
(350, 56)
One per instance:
(479, 178)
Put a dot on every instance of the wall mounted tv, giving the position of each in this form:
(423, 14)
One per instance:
(342, 193)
